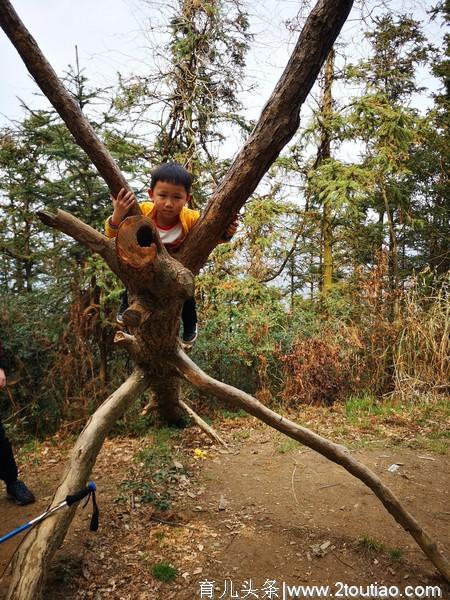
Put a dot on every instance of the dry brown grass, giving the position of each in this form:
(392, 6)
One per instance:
(421, 356)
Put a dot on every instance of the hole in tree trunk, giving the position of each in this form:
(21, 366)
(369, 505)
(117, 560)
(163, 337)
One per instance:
(144, 236)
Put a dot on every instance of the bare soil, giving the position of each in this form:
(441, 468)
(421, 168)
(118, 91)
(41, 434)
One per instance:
(267, 511)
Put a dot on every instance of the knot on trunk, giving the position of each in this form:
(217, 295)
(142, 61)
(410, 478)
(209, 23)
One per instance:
(138, 242)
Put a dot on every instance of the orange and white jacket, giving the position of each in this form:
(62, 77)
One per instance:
(188, 218)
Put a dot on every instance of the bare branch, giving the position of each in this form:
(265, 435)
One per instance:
(30, 568)
(67, 223)
(202, 424)
(129, 342)
(61, 99)
(280, 269)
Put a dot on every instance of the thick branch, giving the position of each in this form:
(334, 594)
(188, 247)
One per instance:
(278, 123)
(64, 103)
(33, 557)
(145, 263)
(83, 233)
(332, 451)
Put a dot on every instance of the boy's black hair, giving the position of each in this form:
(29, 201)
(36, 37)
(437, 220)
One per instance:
(172, 172)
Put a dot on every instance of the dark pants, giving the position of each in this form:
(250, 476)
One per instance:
(188, 314)
(8, 467)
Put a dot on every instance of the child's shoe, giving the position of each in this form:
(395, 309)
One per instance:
(189, 337)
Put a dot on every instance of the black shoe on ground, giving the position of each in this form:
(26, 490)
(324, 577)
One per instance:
(189, 336)
(19, 492)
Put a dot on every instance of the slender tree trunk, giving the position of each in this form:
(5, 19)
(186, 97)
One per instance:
(393, 274)
(324, 153)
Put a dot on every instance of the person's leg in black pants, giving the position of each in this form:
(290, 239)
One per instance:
(122, 306)
(15, 488)
(8, 467)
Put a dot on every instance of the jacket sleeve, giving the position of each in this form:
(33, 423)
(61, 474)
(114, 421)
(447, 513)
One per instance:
(110, 231)
(3, 360)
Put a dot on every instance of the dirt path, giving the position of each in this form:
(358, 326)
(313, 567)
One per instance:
(269, 511)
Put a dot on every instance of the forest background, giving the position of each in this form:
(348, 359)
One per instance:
(335, 287)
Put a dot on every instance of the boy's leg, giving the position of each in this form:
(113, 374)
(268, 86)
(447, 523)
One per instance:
(122, 306)
(189, 317)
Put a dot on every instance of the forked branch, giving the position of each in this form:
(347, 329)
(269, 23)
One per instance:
(334, 452)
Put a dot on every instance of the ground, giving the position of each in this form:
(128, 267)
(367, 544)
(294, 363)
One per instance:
(267, 510)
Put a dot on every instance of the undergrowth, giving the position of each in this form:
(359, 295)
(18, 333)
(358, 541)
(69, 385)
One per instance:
(150, 481)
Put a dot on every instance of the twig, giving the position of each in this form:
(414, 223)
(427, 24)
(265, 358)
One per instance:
(202, 424)
(292, 484)
(343, 561)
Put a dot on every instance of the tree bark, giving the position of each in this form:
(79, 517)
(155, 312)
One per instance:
(33, 556)
(334, 452)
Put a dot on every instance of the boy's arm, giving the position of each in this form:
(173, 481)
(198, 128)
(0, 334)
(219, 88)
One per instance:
(122, 205)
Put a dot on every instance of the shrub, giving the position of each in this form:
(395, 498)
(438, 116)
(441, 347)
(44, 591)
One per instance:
(313, 373)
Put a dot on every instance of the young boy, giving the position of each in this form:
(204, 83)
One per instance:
(170, 192)
(15, 488)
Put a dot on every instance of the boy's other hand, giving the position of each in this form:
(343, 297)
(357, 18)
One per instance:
(122, 205)
(231, 229)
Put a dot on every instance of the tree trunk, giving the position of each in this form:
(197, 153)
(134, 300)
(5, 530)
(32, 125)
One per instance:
(393, 275)
(324, 153)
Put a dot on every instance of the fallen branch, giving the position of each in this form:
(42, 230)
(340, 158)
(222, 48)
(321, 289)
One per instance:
(334, 452)
(202, 424)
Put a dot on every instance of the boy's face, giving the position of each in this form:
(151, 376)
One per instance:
(169, 198)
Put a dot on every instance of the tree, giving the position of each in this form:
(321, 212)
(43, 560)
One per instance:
(195, 91)
(158, 283)
(389, 128)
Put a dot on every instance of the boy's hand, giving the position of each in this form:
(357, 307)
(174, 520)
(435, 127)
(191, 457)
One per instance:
(122, 205)
(231, 229)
